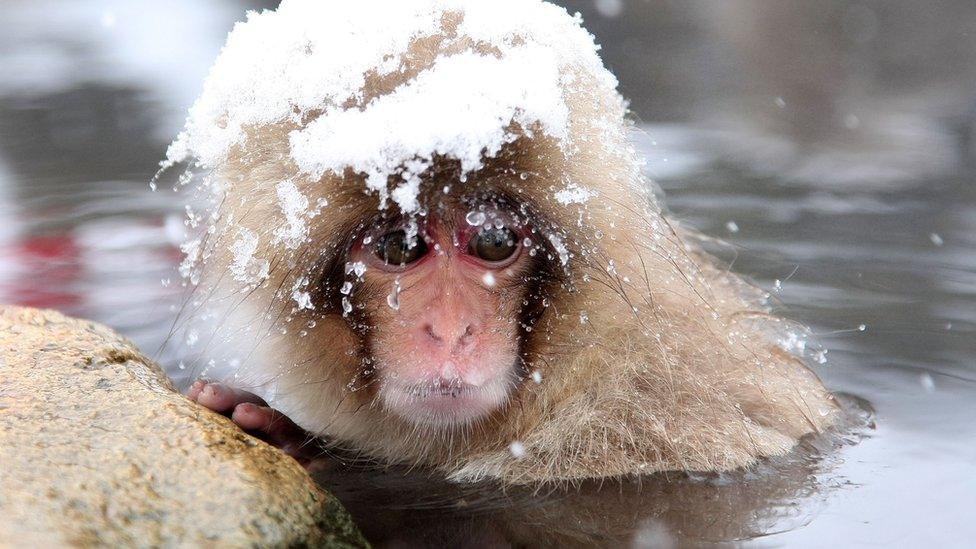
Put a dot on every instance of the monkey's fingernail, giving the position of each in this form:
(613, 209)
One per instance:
(194, 391)
(245, 408)
(249, 414)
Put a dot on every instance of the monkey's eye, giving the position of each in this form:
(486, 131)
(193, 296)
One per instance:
(395, 248)
(494, 245)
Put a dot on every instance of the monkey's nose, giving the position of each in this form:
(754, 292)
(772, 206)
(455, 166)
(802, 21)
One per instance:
(453, 334)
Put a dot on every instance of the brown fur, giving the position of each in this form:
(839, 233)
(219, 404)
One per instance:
(652, 358)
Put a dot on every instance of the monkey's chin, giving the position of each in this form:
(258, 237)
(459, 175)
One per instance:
(443, 405)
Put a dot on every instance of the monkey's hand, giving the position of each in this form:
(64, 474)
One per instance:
(254, 416)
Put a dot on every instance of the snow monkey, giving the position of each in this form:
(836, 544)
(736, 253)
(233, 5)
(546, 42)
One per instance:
(428, 240)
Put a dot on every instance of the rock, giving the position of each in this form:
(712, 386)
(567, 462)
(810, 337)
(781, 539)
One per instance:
(98, 449)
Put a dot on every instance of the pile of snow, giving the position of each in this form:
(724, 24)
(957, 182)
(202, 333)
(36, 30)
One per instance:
(312, 56)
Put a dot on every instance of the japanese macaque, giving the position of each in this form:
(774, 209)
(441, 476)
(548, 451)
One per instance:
(531, 316)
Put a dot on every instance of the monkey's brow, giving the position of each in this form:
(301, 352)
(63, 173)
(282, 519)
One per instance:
(492, 194)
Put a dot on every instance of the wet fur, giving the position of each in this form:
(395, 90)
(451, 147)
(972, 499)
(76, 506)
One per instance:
(676, 367)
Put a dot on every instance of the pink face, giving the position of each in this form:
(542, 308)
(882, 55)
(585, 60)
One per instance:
(445, 339)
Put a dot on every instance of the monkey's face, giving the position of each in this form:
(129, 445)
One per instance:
(443, 322)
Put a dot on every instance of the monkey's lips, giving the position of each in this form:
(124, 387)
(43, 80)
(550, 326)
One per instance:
(443, 403)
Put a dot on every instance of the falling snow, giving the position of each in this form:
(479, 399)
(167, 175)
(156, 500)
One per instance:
(517, 449)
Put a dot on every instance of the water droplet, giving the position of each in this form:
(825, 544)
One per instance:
(936, 239)
(732, 227)
(393, 300)
(537, 376)
(346, 306)
(357, 267)
(488, 279)
(862, 327)
(475, 219)
(346, 288)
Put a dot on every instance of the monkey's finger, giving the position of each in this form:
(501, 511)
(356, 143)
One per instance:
(268, 421)
(222, 398)
(275, 428)
(195, 389)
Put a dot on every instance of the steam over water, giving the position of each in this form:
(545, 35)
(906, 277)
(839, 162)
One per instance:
(876, 254)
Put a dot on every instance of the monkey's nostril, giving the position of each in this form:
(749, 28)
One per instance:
(468, 336)
(429, 330)
(454, 336)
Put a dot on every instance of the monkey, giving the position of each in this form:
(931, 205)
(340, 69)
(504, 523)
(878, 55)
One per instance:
(450, 258)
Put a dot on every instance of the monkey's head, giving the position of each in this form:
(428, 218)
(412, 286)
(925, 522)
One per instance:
(428, 236)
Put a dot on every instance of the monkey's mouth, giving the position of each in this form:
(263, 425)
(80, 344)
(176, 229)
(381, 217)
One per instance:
(443, 403)
(452, 391)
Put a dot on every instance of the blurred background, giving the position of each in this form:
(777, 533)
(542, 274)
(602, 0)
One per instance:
(828, 144)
